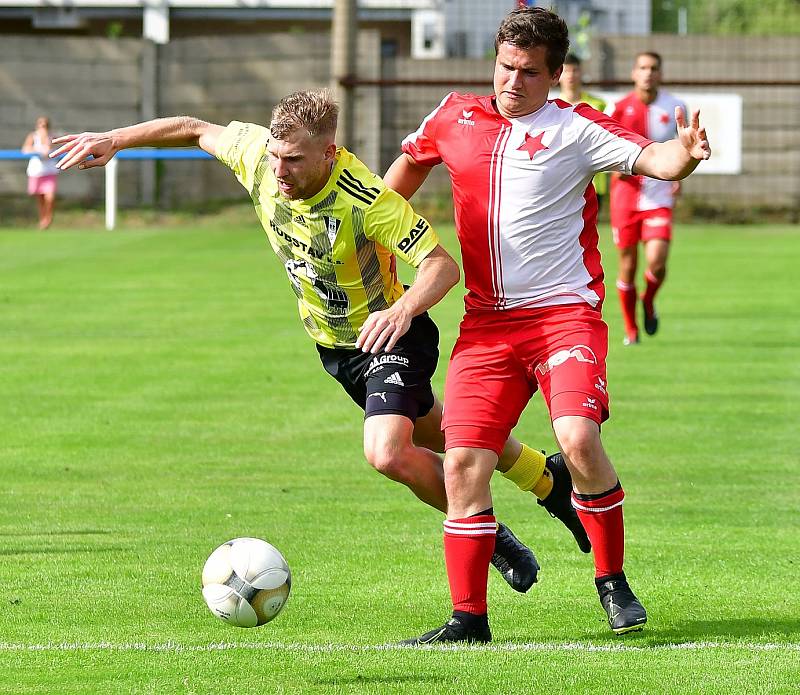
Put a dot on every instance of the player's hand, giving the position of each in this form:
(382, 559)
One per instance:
(78, 148)
(383, 329)
(692, 136)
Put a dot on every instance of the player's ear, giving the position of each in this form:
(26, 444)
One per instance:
(556, 76)
(330, 151)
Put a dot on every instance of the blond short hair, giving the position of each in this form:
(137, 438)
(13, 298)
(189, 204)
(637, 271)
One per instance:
(315, 111)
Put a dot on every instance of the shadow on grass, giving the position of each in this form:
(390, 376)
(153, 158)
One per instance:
(62, 549)
(724, 629)
(78, 532)
(387, 679)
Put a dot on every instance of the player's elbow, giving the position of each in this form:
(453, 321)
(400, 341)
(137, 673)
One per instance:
(448, 272)
(442, 266)
(454, 273)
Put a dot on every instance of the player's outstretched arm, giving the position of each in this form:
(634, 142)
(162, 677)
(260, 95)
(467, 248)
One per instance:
(436, 275)
(87, 150)
(676, 159)
(406, 176)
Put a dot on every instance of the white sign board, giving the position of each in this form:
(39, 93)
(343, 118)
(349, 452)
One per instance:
(721, 116)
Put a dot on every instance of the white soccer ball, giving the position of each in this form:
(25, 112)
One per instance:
(246, 582)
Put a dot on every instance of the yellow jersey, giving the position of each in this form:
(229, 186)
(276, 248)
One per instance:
(339, 247)
(600, 180)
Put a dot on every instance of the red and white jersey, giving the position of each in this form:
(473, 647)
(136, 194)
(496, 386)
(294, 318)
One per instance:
(525, 207)
(656, 122)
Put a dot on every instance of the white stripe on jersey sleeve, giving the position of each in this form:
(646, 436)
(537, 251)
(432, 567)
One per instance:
(412, 137)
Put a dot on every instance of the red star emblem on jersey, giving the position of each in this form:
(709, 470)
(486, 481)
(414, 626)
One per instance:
(664, 118)
(533, 145)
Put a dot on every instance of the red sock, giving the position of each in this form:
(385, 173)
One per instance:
(650, 290)
(601, 516)
(468, 549)
(627, 299)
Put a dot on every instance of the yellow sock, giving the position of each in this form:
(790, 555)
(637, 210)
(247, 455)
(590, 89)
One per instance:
(529, 473)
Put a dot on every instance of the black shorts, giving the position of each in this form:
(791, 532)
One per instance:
(390, 383)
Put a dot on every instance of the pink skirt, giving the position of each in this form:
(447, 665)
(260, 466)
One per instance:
(42, 185)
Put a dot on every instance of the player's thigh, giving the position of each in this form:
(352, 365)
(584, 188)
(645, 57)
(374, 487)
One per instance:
(656, 252)
(346, 366)
(486, 390)
(386, 435)
(656, 224)
(628, 260)
(428, 428)
(399, 381)
(627, 234)
(572, 377)
(626, 229)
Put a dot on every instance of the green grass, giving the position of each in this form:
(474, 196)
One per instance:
(158, 397)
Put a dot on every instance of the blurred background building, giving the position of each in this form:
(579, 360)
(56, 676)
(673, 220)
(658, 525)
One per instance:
(95, 64)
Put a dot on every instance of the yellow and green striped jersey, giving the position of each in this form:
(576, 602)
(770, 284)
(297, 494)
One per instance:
(339, 247)
(600, 180)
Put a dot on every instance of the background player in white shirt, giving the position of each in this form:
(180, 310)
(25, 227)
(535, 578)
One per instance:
(641, 207)
(525, 209)
(42, 172)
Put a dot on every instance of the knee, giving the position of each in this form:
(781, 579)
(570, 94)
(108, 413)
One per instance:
(386, 458)
(459, 467)
(658, 270)
(579, 446)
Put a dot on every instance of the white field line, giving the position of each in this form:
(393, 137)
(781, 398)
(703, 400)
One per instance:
(174, 647)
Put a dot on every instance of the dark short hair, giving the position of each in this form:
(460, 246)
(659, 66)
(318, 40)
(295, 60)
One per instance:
(529, 27)
(652, 54)
(572, 59)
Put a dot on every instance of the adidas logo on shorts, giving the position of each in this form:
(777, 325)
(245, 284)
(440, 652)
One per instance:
(394, 378)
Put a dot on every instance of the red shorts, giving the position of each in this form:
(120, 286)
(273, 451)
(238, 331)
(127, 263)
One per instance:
(633, 227)
(42, 185)
(501, 358)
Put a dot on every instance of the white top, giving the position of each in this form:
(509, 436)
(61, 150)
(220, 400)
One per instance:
(525, 207)
(40, 164)
(655, 121)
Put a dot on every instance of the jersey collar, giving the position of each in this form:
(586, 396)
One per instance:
(490, 104)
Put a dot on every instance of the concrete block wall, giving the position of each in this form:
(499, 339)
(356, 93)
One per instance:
(81, 84)
(221, 80)
(771, 114)
(770, 117)
(95, 83)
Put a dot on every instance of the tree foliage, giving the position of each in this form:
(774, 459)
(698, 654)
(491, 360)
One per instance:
(729, 17)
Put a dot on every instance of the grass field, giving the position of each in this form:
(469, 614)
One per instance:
(158, 397)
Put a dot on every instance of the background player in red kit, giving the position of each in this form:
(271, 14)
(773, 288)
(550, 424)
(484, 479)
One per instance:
(641, 207)
(525, 211)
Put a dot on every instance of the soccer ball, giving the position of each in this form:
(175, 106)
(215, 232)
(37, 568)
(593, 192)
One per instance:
(246, 582)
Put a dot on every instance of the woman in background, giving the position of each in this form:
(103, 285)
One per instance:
(42, 171)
